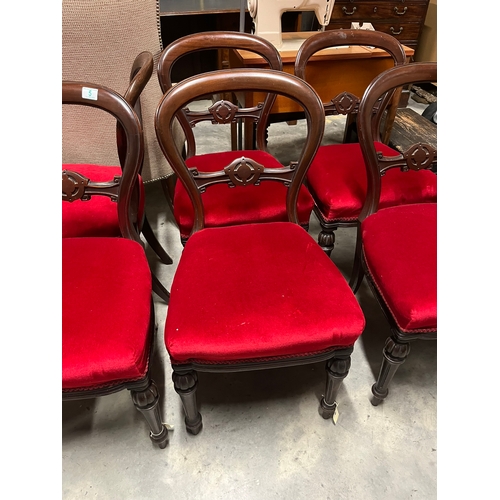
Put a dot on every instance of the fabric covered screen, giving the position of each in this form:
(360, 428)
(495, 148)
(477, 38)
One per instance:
(100, 40)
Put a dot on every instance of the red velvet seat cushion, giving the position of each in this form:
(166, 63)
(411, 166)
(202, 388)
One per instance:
(400, 249)
(257, 291)
(225, 206)
(337, 181)
(99, 215)
(106, 308)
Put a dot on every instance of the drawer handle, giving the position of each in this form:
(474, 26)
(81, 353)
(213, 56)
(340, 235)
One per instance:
(396, 32)
(344, 10)
(400, 13)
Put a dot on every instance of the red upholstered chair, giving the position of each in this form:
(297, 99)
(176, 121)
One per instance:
(258, 295)
(98, 216)
(397, 246)
(108, 315)
(229, 207)
(337, 178)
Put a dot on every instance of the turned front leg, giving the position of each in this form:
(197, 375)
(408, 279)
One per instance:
(147, 402)
(395, 354)
(337, 369)
(185, 384)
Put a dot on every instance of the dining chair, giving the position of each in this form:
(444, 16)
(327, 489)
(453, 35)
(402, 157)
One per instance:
(337, 178)
(97, 215)
(108, 321)
(257, 295)
(229, 207)
(397, 245)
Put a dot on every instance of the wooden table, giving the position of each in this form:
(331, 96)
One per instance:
(329, 71)
(410, 128)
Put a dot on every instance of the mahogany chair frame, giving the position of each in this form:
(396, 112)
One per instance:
(416, 157)
(213, 40)
(346, 103)
(241, 173)
(144, 392)
(140, 75)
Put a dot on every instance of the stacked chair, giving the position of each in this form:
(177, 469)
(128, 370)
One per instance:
(397, 245)
(256, 295)
(108, 321)
(337, 178)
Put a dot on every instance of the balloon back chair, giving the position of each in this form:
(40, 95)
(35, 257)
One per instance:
(397, 246)
(98, 215)
(225, 207)
(337, 178)
(258, 295)
(107, 309)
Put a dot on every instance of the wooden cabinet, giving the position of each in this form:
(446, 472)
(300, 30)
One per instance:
(403, 19)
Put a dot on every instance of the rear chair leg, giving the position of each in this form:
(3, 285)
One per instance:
(147, 403)
(337, 369)
(185, 384)
(153, 242)
(395, 354)
(357, 273)
(160, 290)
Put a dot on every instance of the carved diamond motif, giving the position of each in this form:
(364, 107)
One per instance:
(73, 185)
(421, 156)
(244, 171)
(345, 103)
(223, 111)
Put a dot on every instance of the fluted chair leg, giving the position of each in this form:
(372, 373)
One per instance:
(147, 402)
(185, 384)
(337, 369)
(395, 354)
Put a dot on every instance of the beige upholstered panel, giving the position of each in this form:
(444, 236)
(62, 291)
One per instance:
(100, 40)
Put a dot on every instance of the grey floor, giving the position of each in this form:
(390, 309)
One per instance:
(263, 437)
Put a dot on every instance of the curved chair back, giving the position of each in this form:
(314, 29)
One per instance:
(418, 156)
(346, 103)
(217, 40)
(243, 171)
(98, 96)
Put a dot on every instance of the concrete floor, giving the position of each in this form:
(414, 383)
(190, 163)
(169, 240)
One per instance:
(263, 437)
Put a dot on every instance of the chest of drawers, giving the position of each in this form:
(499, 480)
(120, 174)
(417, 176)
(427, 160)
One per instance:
(402, 19)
